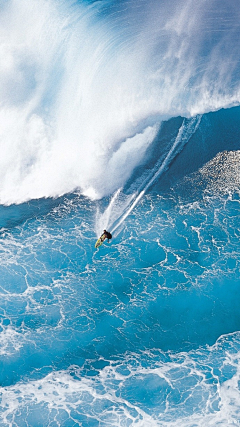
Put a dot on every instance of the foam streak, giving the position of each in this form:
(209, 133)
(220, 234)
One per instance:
(187, 129)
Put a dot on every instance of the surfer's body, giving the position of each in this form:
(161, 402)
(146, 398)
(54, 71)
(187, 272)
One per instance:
(104, 236)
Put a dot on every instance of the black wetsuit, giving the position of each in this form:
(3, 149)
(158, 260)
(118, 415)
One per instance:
(107, 235)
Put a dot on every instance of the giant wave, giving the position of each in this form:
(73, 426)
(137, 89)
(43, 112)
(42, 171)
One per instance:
(120, 115)
(86, 85)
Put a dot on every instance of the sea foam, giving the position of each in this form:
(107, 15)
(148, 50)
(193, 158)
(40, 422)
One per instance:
(85, 86)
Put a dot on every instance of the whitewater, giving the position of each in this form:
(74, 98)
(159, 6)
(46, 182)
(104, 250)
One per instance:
(122, 115)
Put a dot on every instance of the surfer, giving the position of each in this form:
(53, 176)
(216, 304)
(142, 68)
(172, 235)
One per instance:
(106, 235)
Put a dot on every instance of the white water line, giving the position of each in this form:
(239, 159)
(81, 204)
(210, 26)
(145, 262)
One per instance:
(184, 134)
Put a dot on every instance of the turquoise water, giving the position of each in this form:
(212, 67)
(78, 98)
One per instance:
(145, 330)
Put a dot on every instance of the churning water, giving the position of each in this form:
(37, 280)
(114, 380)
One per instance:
(120, 115)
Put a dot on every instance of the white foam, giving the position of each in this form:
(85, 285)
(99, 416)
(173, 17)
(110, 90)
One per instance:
(121, 205)
(82, 94)
(190, 388)
(11, 341)
(60, 393)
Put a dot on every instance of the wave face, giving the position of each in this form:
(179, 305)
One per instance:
(109, 120)
(84, 86)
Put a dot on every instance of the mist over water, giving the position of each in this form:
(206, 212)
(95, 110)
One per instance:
(82, 84)
(121, 115)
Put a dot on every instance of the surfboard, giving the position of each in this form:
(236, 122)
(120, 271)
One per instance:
(99, 242)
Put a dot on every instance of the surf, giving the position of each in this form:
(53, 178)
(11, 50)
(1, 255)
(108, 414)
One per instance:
(86, 87)
(105, 103)
(121, 205)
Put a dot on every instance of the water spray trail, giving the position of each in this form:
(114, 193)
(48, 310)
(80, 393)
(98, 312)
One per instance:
(105, 217)
(187, 129)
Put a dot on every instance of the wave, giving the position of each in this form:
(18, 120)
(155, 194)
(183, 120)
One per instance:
(84, 88)
(121, 205)
(142, 332)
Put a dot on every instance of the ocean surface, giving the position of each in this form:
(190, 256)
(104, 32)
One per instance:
(120, 115)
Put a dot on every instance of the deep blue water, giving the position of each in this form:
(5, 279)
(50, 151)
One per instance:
(103, 125)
